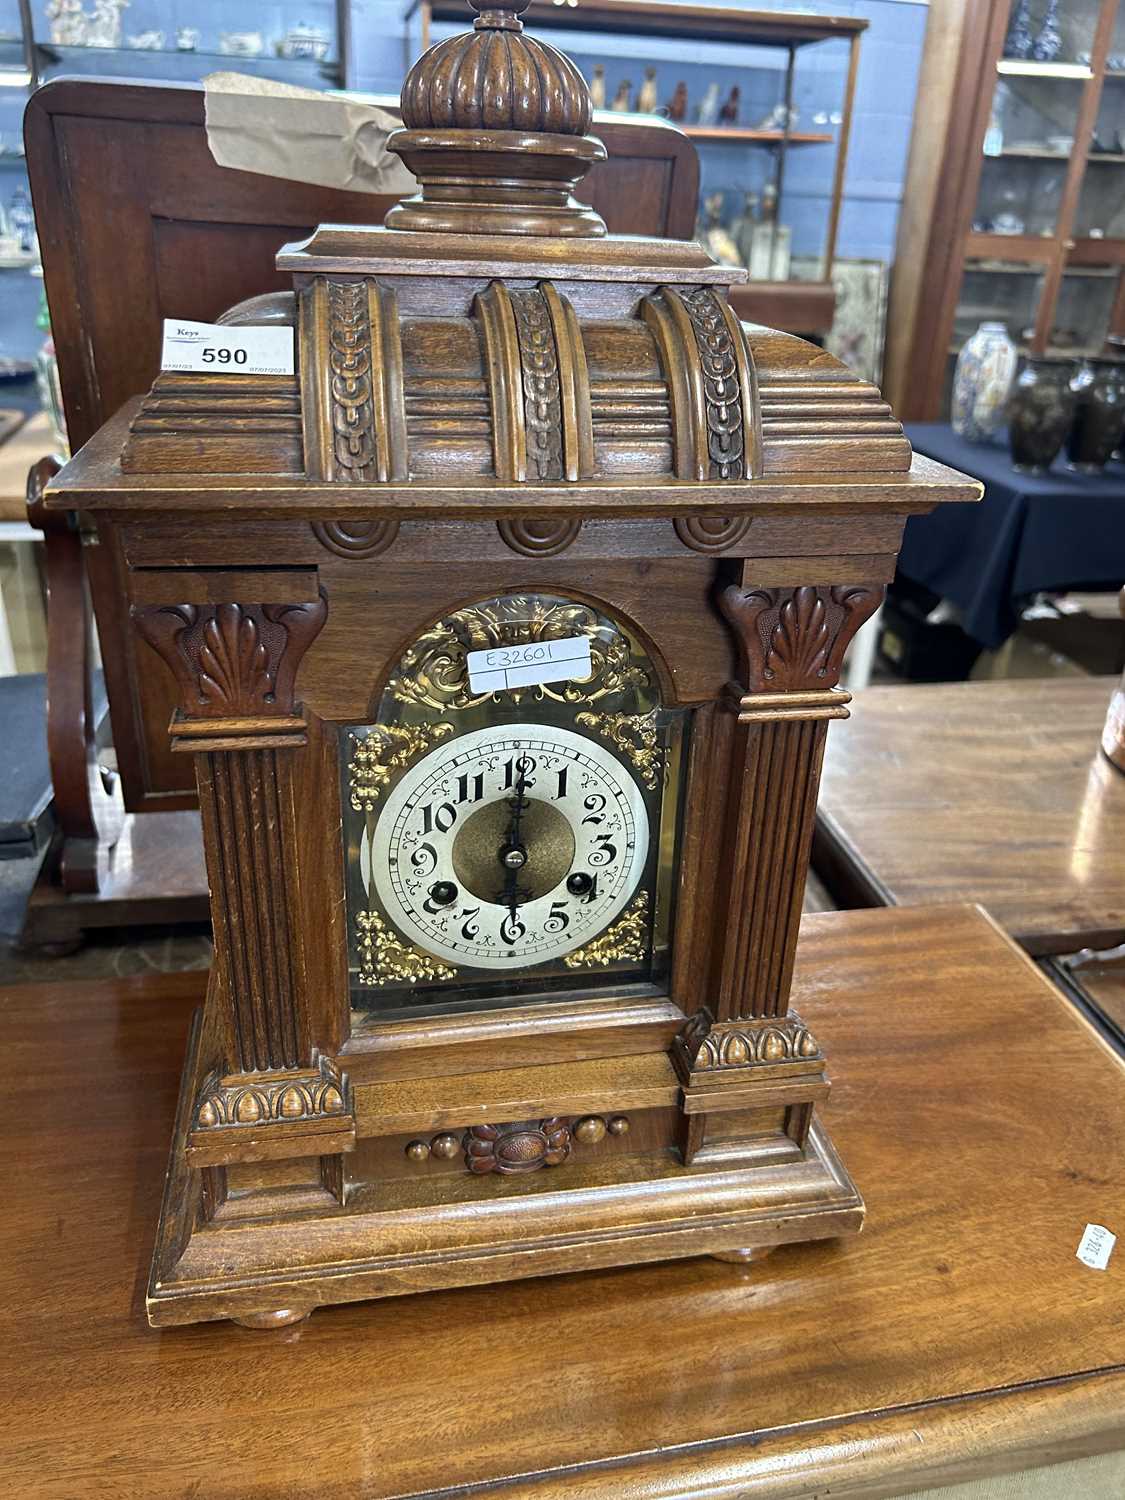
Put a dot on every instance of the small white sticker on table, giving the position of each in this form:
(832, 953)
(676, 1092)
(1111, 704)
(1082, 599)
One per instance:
(1096, 1246)
(501, 667)
(215, 349)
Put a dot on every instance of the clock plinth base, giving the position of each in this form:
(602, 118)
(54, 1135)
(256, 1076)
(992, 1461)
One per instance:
(605, 1205)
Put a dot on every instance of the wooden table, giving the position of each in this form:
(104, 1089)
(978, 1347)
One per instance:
(980, 791)
(957, 1335)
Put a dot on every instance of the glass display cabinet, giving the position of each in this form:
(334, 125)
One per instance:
(767, 98)
(1015, 202)
(306, 44)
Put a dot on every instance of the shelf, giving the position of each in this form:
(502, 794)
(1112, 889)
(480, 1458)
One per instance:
(694, 22)
(762, 137)
(1035, 248)
(51, 52)
(1029, 153)
(1018, 67)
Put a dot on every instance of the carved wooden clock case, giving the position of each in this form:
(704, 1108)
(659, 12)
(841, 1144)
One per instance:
(502, 962)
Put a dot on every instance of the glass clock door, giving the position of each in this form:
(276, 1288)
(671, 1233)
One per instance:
(510, 815)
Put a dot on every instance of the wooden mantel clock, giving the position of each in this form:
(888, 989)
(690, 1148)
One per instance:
(506, 634)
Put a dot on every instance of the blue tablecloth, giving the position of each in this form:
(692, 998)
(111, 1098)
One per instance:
(1055, 532)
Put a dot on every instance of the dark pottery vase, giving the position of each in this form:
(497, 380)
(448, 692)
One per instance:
(1040, 413)
(1099, 416)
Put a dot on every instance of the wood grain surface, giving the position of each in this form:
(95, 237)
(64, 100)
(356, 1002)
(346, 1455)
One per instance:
(958, 1335)
(994, 792)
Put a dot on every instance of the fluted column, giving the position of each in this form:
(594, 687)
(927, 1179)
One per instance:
(236, 665)
(764, 752)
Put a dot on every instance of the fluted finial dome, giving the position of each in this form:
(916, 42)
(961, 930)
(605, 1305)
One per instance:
(496, 78)
(496, 132)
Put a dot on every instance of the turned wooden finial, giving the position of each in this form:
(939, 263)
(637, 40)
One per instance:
(496, 132)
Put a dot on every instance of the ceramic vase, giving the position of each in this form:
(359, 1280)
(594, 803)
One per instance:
(986, 368)
(1099, 415)
(1018, 41)
(1040, 413)
(1048, 44)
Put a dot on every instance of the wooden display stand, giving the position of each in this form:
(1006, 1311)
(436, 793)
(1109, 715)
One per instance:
(509, 430)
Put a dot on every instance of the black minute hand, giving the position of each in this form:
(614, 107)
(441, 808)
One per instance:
(513, 856)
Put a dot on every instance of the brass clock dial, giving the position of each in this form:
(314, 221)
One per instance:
(509, 846)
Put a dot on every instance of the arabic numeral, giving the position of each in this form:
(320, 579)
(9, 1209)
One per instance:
(558, 921)
(424, 859)
(470, 790)
(519, 768)
(604, 852)
(469, 929)
(443, 819)
(595, 805)
(512, 929)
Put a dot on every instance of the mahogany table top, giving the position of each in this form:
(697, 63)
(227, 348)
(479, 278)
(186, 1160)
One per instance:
(980, 791)
(958, 1334)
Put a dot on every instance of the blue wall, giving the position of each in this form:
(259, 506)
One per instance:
(890, 56)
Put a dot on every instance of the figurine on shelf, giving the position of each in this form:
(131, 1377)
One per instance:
(677, 105)
(1018, 42)
(597, 87)
(646, 98)
(743, 225)
(241, 43)
(728, 115)
(304, 42)
(187, 39)
(21, 220)
(621, 98)
(103, 28)
(68, 23)
(777, 117)
(146, 41)
(1048, 44)
(709, 109)
(714, 234)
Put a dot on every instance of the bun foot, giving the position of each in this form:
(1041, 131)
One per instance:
(279, 1317)
(743, 1257)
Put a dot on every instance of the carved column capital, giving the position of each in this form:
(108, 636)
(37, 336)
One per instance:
(233, 661)
(794, 639)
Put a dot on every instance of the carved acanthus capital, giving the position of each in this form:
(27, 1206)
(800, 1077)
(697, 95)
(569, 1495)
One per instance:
(297, 1112)
(233, 660)
(794, 639)
(706, 1047)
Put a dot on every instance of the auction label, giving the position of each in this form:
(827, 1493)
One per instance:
(215, 348)
(1096, 1246)
(498, 667)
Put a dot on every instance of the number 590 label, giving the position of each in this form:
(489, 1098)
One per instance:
(216, 348)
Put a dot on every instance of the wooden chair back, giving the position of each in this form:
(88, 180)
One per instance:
(137, 223)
